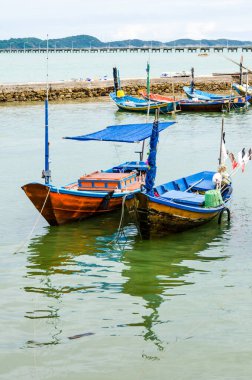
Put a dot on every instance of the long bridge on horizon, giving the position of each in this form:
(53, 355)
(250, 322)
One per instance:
(132, 49)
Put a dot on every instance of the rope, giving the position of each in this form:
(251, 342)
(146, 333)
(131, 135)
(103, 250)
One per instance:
(34, 226)
(120, 231)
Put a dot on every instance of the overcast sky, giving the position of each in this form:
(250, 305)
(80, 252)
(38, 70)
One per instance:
(109, 20)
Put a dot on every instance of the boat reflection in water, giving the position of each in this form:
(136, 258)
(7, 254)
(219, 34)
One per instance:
(80, 260)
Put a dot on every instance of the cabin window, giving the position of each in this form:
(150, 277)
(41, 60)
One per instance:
(86, 184)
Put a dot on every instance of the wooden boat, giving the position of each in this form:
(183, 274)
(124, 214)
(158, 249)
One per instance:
(194, 105)
(95, 193)
(193, 93)
(160, 98)
(175, 205)
(243, 90)
(133, 103)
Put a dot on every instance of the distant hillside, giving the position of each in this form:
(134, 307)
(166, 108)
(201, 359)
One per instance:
(86, 41)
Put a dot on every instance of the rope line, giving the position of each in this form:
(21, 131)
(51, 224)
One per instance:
(34, 226)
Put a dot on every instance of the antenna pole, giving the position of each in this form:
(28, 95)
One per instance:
(46, 173)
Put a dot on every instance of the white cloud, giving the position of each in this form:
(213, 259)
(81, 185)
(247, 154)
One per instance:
(199, 30)
(108, 20)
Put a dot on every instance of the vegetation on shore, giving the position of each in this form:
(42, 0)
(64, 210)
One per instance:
(86, 41)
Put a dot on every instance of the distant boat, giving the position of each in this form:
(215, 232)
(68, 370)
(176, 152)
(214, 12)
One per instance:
(173, 103)
(203, 55)
(195, 105)
(133, 103)
(178, 74)
(176, 205)
(203, 95)
(243, 90)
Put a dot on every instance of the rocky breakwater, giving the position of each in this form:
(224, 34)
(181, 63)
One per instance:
(81, 90)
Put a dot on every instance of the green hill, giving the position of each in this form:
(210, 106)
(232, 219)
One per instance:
(86, 41)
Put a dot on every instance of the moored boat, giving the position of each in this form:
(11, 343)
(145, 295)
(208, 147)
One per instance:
(173, 103)
(95, 193)
(243, 90)
(134, 104)
(177, 205)
(193, 93)
(196, 105)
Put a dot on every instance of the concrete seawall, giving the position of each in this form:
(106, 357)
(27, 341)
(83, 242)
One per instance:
(78, 90)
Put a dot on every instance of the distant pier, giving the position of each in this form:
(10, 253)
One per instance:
(129, 49)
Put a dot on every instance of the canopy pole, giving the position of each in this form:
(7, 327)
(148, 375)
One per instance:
(152, 168)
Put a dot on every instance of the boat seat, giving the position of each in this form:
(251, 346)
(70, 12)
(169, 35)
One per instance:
(206, 184)
(181, 184)
(168, 186)
(184, 198)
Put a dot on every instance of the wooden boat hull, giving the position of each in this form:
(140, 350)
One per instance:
(210, 106)
(152, 108)
(134, 104)
(241, 90)
(60, 207)
(157, 219)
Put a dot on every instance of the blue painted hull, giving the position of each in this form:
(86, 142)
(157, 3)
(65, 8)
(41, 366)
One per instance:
(134, 104)
(203, 95)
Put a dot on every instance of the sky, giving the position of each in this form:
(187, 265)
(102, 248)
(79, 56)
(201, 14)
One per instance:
(110, 20)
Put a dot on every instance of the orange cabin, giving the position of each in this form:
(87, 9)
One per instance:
(104, 181)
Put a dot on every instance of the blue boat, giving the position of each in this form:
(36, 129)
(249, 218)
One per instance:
(192, 92)
(176, 205)
(243, 89)
(95, 193)
(135, 104)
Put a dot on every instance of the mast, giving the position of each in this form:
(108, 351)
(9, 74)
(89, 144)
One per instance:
(116, 80)
(148, 110)
(241, 67)
(46, 172)
(221, 140)
(192, 81)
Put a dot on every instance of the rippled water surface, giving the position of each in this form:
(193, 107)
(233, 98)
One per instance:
(76, 303)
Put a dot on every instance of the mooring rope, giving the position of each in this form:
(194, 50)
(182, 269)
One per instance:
(34, 226)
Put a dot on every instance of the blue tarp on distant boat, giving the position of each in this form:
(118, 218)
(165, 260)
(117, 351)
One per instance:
(129, 133)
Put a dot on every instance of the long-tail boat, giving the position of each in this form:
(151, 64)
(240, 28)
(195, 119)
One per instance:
(176, 205)
(194, 94)
(195, 105)
(95, 193)
(133, 103)
(243, 90)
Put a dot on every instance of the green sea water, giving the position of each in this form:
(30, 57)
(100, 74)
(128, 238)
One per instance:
(173, 308)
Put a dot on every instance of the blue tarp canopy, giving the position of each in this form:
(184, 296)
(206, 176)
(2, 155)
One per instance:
(129, 133)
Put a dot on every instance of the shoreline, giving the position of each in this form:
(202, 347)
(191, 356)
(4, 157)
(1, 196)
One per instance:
(81, 90)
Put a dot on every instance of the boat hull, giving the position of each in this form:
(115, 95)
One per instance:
(157, 219)
(241, 90)
(209, 106)
(59, 207)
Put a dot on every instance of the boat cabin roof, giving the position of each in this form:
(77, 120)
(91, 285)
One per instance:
(107, 176)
